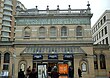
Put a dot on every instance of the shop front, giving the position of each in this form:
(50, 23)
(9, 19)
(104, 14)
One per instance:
(47, 57)
(61, 61)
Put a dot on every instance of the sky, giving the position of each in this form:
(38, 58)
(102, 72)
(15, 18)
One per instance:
(98, 7)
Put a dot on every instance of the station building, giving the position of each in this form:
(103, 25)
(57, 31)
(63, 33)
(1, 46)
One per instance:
(53, 37)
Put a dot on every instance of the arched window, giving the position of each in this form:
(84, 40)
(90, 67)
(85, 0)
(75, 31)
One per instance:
(6, 58)
(79, 31)
(84, 66)
(27, 32)
(42, 32)
(95, 62)
(53, 32)
(22, 65)
(102, 62)
(63, 31)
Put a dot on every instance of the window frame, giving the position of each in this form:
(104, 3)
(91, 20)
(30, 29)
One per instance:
(27, 32)
(79, 31)
(102, 61)
(95, 61)
(64, 31)
(6, 57)
(53, 32)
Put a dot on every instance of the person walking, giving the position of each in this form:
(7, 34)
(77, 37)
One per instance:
(21, 74)
(109, 74)
(79, 72)
(71, 72)
(28, 71)
(54, 73)
(33, 74)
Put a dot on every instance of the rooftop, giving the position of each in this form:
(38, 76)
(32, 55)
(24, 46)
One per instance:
(36, 11)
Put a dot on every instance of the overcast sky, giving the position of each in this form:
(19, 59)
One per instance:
(97, 6)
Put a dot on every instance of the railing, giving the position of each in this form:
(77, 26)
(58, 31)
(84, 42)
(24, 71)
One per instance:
(37, 12)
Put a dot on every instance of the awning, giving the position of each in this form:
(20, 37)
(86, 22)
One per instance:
(53, 50)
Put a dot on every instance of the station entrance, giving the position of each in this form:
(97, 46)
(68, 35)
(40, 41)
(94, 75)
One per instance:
(64, 66)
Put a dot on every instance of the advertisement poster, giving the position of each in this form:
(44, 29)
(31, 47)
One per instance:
(42, 71)
(63, 68)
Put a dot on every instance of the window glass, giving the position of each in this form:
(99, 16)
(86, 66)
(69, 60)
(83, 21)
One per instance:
(64, 31)
(79, 31)
(84, 67)
(95, 62)
(102, 62)
(53, 31)
(6, 58)
(5, 67)
(42, 32)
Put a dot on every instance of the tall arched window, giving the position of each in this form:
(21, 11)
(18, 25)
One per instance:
(6, 58)
(42, 32)
(22, 65)
(53, 32)
(95, 62)
(102, 62)
(63, 31)
(84, 66)
(27, 32)
(79, 31)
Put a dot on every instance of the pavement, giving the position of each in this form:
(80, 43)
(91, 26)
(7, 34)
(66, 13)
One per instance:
(67, 77)
(101, 77)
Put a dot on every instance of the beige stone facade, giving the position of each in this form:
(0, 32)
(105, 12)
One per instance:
(61, 35)
(52, 37)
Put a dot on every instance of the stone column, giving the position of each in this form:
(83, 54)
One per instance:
(76, 65)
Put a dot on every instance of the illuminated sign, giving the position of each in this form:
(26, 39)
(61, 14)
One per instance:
(67, 56)
(53, 56)
(37, 56)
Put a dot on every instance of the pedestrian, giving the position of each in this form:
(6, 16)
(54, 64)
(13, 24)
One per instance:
(21, 74)
(49, 70)
(71, 72)
(28, 71)
(54, 73)
(33, 74)
(109, 74)
(79, 72)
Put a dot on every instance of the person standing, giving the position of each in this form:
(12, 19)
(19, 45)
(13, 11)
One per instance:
(28, 71)
(109, 74)
(71, 72)
(21, 74)
(79, 72)
(49, 70)
(33, 74)
(54, 74)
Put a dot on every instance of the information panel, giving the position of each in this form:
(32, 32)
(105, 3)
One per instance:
(63, 68)
(42, 70)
